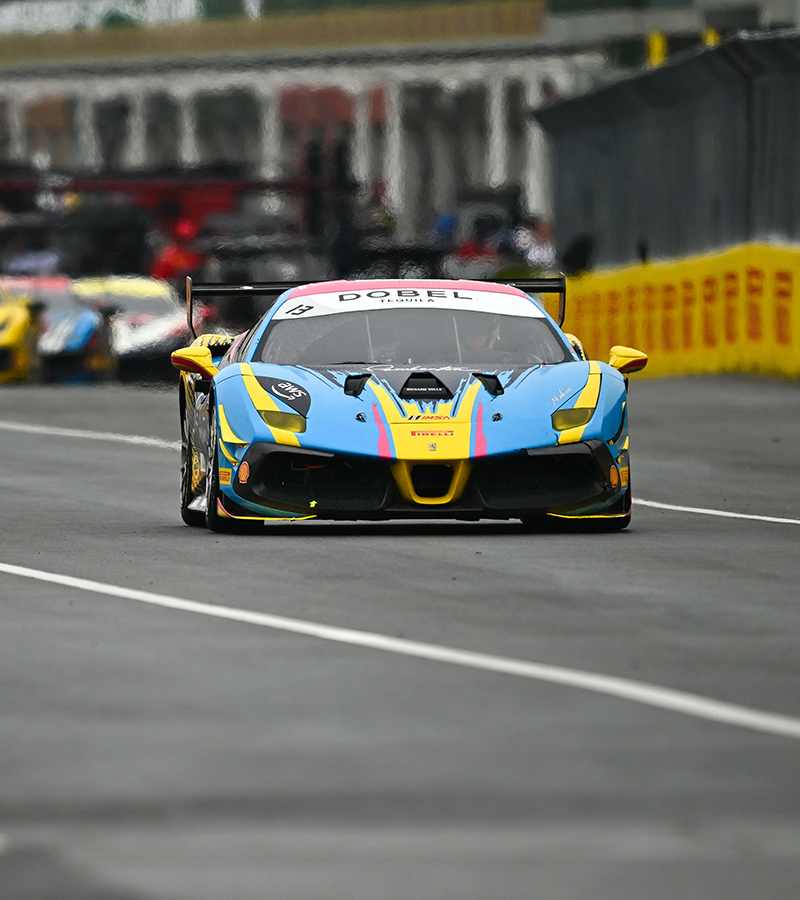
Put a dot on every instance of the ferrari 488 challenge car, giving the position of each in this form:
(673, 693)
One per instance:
(391, 399)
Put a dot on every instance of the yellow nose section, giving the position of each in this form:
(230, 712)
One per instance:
(427, 442)
(411, 478)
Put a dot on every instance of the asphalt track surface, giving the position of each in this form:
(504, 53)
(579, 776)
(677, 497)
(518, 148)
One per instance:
(151, 751)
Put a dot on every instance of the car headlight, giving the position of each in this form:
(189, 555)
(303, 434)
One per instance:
(571, 418)
(282, 420)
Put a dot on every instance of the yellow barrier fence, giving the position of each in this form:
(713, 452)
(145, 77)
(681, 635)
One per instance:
(735, 311)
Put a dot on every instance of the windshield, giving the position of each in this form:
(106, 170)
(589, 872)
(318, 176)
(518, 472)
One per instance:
(428, 337)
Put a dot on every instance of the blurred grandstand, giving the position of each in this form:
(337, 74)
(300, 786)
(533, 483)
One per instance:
(351, 130)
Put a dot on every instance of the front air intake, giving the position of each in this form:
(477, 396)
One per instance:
(431, 480)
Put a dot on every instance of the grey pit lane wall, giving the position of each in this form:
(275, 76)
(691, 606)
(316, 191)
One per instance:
(698, 154)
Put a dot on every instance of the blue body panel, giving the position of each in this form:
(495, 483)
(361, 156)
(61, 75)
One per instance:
(517, 420)
(526, 406)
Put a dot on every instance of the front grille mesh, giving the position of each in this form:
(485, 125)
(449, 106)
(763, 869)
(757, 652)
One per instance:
(517, 482)
(328, 483)
(537, 482)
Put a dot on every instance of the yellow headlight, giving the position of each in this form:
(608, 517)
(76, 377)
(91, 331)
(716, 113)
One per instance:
(282, 420)
(571, 418)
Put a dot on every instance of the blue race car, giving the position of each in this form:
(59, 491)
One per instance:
(393, 399)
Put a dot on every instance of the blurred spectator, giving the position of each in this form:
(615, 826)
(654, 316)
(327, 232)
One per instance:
(374, 218)
(482, 245)
(479, 256)
(446, 228)
(177, 259)
(532, 241)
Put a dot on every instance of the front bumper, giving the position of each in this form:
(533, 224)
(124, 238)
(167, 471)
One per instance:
(280, 481)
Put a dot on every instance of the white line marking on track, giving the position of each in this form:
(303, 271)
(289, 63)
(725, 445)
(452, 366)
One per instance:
(91, 435)
(621, 688)
(714, 512)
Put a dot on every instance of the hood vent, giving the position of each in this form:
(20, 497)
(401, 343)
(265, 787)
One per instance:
(424, 387)
(490, 382)
(355, 384)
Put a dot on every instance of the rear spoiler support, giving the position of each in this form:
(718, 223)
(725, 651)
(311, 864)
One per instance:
(232, 290)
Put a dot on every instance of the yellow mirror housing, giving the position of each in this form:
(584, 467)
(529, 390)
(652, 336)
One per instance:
(626, 360)
(195, 360)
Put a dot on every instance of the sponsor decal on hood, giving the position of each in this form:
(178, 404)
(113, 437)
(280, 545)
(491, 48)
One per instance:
(290, 393)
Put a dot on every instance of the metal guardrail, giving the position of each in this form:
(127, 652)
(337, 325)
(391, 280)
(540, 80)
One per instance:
(695, 155)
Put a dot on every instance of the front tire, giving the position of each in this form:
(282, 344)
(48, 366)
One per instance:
(214, 521)
(212, 517)
(191, 517)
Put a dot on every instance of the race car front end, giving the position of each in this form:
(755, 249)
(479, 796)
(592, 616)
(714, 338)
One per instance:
(379, 400)
(344, 445)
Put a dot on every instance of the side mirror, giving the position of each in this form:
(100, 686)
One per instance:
(626, 360)
(195, 361)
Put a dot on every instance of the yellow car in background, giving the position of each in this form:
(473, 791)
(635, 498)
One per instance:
(20, 327)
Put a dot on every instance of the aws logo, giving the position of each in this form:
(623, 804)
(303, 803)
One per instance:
(290, 393)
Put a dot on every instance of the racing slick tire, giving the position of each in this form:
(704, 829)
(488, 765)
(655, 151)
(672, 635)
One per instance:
(194, 518)
(214, 521)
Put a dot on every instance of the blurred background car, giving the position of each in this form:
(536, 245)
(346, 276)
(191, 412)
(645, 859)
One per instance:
(147, 322)
(20, 327)
(73, 342)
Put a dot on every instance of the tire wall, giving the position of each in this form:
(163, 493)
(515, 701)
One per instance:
(732, 311)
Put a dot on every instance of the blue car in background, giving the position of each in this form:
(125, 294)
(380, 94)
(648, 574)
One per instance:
(73, 342)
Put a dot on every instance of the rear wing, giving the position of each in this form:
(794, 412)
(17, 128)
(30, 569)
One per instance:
(207, 289)
(556, 284)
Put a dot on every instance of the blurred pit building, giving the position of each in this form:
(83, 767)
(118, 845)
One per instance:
(414, 103)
